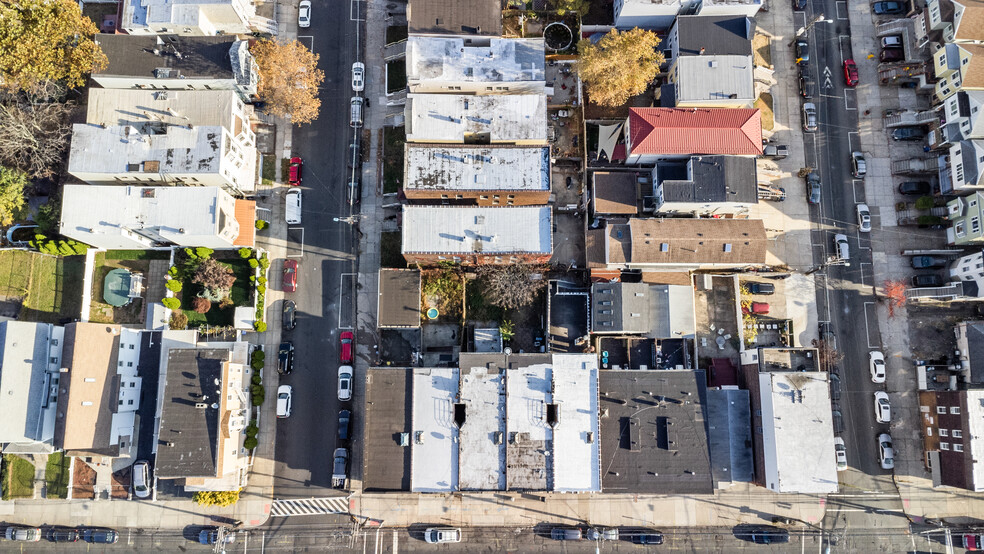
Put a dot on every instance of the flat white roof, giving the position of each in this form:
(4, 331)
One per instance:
(111, 107)
(177, 149)
(434, 458)
(500, 117)
(714, 78)
(527, 394)
(482, 463)
(497, 60)
(576, 442)
(469, 230)
(797, 432)
(975, 443)
(477, 168)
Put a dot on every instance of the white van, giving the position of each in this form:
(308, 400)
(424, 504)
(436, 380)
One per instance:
(294, 207)
(356, 118)
(841, 249)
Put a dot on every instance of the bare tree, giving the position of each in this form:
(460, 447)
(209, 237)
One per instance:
(36, 130)
(511, 286)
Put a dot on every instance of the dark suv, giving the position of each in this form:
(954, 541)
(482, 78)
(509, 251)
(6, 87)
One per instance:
(928, 262)
(100, 536)
(915, 188)
(285, 358)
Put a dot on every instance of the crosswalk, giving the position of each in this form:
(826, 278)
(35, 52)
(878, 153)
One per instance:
(310, 506)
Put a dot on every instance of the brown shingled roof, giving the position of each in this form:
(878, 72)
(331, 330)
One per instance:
(696, 241)
(89, 389)
(972, 23)
(615, 193)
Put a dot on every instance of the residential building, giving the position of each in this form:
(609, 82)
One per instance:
(957, 21)
(100, 390)
(656, 311)
(969, 272)
(793, 437)
(165, 138)
(399, 299)
(729, 436)
(676, 245)
(204, 413)
(953, 427)
(475, 65)
(477, 235)
(964, 214)
(477, 175)
(470, 119)
(455, 17)
(958, 67)
(144, 217)
(660, 14)
(705, 186)
(178, 63)
(962, 169)
(701, 35)
(970, 345)
(189, 17)
(616, 193)
(30, 362)
(962, 117)
(655, 134)
(718, 81)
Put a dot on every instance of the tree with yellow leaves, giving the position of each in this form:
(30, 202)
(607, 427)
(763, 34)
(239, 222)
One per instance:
(46, 40)
(289, 79)
(620, 66)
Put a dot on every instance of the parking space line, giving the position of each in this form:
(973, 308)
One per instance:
(841, 10)
(306, 40)
(841, 40)
(301, 255)
(341, 299)
(850, 139)
(355, 11)
(867, 329)
(850, 99)
(861, 265)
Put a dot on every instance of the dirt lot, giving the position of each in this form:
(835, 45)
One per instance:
(83, 481)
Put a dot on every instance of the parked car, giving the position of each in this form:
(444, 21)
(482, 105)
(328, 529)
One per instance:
(290, 276)
(887, 8)
(809, 117)
(883, 410)
(345, 352)
(757, 308)
(646, 536)
(928, 262)
(892, 41)
(604, 534)
(775, 151)
(339, 471)
(293, 204)
(837, 418)
(842, 250)
(563, 533)
(850, 73)
(915, 188)
(294, 172)
(344, 417)
(799, 5)
(859, 166)
(835, 387)
(63, 535)
(100, 536)
(285, 358)
(813, 187)
(355, 118)
(141, 479)
(761, 288)
(891, 55)
(284, 395)
(927, 280)
(886, 454)
(840, 453)
(290, 315)
(971, 542)
(440, 535)
(765, 534)
(864, 218)
(358, 76)
(908, 133)
(209, 535)
(25, 534)
(304, 14)
(345, 382)
(876, 364)
(802, 52)
(807, 86)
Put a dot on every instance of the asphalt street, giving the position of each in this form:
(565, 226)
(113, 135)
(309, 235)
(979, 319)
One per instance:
(324, 251)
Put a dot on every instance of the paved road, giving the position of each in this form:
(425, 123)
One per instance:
(323, 248)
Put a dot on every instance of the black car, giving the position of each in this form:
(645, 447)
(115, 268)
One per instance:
(562, 533)
(647, 536)
(835, 387)
(100, 536)
(915, 188)
(887, 8)
(344, 417)
(928, 262)
(63, 535)
(908, 133)
(285, 358)
(766, 534)
(838, 420)
(927, 280)
(761, 288)
(290, 314)
(807, 86)
(802, 52)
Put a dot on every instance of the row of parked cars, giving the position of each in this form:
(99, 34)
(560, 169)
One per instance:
(61, 534)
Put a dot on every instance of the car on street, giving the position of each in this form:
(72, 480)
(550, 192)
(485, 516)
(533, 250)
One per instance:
(563, 533)
(859, 166)
(293, 202)
(603, 534)
(284, 396)
(850, 73)
(339, 471)
(886, 454)
(25, 534)
(894, 54)
(355, 111)
(358, 76)
(761, 288)
(840, 453)
(294, 172)
(290, 276)
(441, 535)
(63, 535)
(927, 280)
(876, 365)
(864, 218)
(807, 86)
(290, 315)
(809, 117)
(837, 418)
(842, 250)
(345, 382)
(304, 14)
(646, 536)
(100, 536)
(928, 262)
(883, 410)
(802, 52)
(799, 5)
(887, 8)
(892, 41)
(908, 133)
(971, 542)
(915, 188)
(835, 387)
(813, 187)
(345, 350)
(764, 534)
(209, 535)
(285, 358)
(141, 479)
(344, 417)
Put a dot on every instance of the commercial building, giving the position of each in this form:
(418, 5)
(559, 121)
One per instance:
(30, 363)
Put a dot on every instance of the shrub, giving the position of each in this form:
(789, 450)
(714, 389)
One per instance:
(226, 302)
(924, 202)
(178, 321)
(201, 252)
(58, 247)
(256, 379)
(253, 263)
(257, 356)
(245, 252)
(261, 224)
(250, 443)
(201, 305)
(216, 498)
(173, 285)
(252, 430)
(171, 303)
(259, 326)
(261, 289)
(173, 272)
(264, 261)
(262, 280)
(258, 394)
(214, 275)
(257, 364)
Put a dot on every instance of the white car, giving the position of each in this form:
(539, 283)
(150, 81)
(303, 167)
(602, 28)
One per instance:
(886, 454)
(304, 14)
(864, 218)
(358, 76)
(284, 395)
(840, 451)
(345, 382)
(141, 479)
(439, 535)
(876, 362)
(892, 41)
(883, 410)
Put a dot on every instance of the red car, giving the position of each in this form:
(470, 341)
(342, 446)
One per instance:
(756, 308)
(346, 352)
(850, 73)
(294, 172)
(290, 276)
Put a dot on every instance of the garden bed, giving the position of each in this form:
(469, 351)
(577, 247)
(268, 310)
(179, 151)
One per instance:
(83, 481)
(18, 477)
(390, 251)
(56, 474)
(239, 294)
(393, 141)
(396, 76)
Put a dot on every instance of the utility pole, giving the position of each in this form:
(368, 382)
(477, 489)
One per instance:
(809, 25)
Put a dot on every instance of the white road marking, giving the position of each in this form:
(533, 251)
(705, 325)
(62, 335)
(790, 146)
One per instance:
(341, 298)
(396, 541)
(867, 330)
(355, 11)
(850, 97)
(306, 40)
(841, 10)
(301, 255)
(850, 140)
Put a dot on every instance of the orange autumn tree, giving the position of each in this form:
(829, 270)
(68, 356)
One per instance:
(289, 79)
(895, 292)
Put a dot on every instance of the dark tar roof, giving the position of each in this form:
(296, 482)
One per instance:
(130, 55)
(715, 179)
(399, 298)
(975, 339)
(387, 413)
(653, 439)
(189, 434)
(717, 35)
(730, 435)
(455, 17)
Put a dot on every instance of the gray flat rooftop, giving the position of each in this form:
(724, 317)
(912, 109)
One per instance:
(530, 438)
(576, 449)
(482, 462)
(434, 460)
(472, 230)
(399, 298)
(495, 117)
(714, 78)
(496, 60)
(725, 34)
(729, 433)
(453, 167)
(653, 440)
(710, 179)
(387, 415)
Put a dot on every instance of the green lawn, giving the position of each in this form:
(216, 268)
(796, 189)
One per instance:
(241, 295)
(51, 287)
(269, 169)
(135, 255)
(18, 478)
(56, 474)
(393, 141)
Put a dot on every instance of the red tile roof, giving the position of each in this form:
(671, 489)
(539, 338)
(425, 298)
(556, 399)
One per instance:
(734, 131)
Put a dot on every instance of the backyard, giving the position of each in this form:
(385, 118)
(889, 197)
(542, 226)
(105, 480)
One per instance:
(136, 261)
(221, 313)
(18, 477)
(442, 289)
(56, 474)
(44, 288)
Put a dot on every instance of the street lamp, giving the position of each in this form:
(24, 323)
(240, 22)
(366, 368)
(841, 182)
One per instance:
(351, 220)
(809, 25)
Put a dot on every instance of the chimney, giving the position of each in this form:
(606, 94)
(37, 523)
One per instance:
(702, 50)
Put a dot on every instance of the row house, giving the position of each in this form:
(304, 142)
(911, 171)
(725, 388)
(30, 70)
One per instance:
(952, 427)
(192, 17)
(475, 65)
(660, 14)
